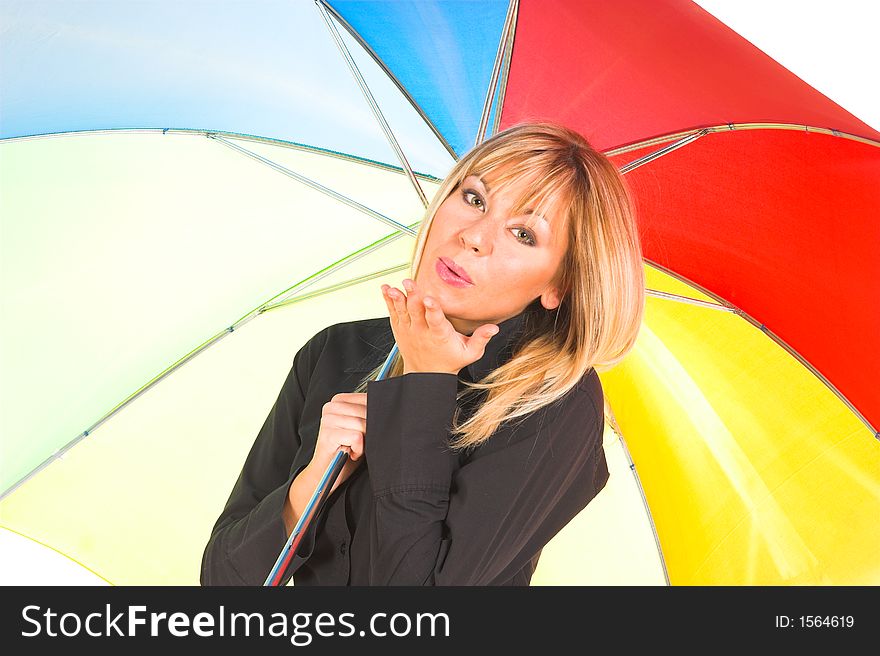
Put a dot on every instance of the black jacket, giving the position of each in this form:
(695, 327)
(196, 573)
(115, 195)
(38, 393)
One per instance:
(414, 512)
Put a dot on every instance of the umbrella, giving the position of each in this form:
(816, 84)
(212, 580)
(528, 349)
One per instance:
(186, 228)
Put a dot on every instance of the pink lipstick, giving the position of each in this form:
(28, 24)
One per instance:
(444, 268)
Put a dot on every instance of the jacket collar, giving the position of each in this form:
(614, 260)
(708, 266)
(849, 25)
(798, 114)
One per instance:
(498, 350)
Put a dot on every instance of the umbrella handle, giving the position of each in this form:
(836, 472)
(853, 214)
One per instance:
(316, 501)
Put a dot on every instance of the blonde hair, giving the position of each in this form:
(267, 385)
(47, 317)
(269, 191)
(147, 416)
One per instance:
(601, 277)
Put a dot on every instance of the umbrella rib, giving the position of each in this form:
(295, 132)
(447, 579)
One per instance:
(723, 304)
(326, 271)
(793, 352)
(687, 299)
(240, 136)
(632, 468)
(337, 286)
(391, 76)
(317, 186)
(263, 307)
(508, 54)
(496, 71)
(644, 159)
(686, 136)
(371, 101)
(718, 304)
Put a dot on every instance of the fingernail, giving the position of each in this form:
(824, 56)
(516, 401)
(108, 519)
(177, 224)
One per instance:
(408, 284)
(429, 303)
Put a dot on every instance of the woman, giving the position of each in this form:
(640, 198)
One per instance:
(485, 437)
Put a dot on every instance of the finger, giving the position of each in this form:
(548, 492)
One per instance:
(337, 406)
(350, 441)
(354, 404)
(434, 317)
(351, 397)
(346, 409)
(344, 437)
(399, 300)
(414, 304)
(389, 303)
(353, 443)
(480, 338)
(357, 448)
(347, 422)
(396, 302)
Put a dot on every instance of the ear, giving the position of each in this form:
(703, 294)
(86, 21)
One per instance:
(551, 298)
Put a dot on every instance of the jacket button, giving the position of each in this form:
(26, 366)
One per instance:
(342, 548)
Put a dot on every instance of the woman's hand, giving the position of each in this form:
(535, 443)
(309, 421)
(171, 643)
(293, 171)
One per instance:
(426, 339)
(343, 424)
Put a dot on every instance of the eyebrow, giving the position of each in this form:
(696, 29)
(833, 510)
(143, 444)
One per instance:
(528, 210)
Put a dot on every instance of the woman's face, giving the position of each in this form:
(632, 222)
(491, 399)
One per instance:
(509, 264)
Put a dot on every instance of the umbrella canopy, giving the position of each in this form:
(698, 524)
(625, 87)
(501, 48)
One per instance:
(752, 423)
(161, 281)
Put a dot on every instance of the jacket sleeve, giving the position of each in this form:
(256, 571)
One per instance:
(250, 532)
(479, 524)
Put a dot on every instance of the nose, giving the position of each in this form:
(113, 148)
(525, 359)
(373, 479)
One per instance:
(478, 235)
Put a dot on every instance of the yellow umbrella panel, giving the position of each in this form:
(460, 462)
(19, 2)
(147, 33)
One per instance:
(756, 472)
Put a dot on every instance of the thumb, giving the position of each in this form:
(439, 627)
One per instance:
(486, 332)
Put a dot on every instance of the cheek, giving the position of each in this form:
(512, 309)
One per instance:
(528, 262)
(442, 231)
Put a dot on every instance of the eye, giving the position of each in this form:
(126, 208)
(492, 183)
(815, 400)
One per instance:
(530, 239)
(469, 192)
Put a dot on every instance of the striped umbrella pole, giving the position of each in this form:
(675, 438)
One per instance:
(316, 501)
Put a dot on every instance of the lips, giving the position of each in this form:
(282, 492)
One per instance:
(457, 270)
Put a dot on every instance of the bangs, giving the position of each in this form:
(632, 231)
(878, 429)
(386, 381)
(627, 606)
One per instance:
(546, 187)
